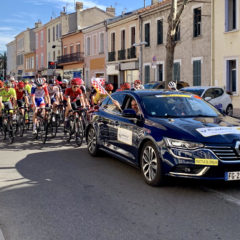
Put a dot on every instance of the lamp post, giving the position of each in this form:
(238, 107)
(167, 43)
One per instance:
(140, 57)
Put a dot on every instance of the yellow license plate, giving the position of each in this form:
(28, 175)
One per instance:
(206, 162)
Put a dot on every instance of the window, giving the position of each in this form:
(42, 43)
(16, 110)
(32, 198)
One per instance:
(65, 51)
(109, 106)
(57, 31)
(197, 18)
(49, 56)
(41, 59)
(101, 45)
(37, 61)
(231, 70)
(32, 62)
(160, 72)
(122, 39)
(53, 33)
(147, 34)
(71, 49)
(176, 72)
(94, 45)
(41, 39)
(160, 31)
(133, 35)
(36, 40)
(54, 55)
(78, 48)
(197, 73)
(230, 15)
(147, 73)
(60, 30)
(88, 46)
(113, 42)
(177, 34)
(49, 35)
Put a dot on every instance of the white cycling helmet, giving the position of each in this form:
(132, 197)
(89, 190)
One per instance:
(172, 85)
(65, 81)
(39, 82)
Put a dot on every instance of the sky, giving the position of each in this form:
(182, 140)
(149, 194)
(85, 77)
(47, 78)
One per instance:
(17, 15)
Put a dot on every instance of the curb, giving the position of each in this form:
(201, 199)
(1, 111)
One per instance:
(1, 235)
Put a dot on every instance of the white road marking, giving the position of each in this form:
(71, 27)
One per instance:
(1, 235)
(225, 197)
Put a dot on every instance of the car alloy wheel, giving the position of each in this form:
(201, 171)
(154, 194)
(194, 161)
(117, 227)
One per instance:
(92, 142)
(151, 164)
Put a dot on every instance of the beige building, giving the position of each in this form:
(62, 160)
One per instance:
(11, 58)
(225, 47)
(192, 62)
(123, 61)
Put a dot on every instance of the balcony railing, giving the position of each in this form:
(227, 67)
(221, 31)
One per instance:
(131, 52)
(122, 54)
(73, 57)
(111, 56)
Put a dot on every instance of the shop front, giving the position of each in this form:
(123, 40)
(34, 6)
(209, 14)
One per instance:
(130, 71)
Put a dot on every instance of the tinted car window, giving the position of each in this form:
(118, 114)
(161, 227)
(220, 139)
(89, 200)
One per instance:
(209, 93)
(193, 91)
(218, 92)
(164, 106)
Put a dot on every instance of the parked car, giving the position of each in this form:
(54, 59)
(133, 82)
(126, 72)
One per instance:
(214, 95)
(170, 134)
(161, 85)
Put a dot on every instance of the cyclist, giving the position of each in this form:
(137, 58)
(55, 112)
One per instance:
(40, 97)
(84, 91)
(7, 97)
(22, 96)
(137, 85)
(65, 85)
(1, 85)
(27, 86)
(73, 97)
(54, 94)
(172, 86)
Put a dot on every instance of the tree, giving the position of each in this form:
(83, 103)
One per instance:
(173, 21)
(3, 64)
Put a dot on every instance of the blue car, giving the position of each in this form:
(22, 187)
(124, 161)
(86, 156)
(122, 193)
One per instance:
(167, 133)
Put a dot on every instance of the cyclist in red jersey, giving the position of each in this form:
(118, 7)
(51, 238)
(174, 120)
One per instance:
(22, 96)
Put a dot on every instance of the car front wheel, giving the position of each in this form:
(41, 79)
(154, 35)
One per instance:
(92, 142)
(151, 165)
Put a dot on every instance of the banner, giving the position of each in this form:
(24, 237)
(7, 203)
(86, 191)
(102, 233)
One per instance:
(98, 83)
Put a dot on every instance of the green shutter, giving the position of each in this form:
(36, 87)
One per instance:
(176, 72)
(160, 31)
(197, 73)
(147, 74)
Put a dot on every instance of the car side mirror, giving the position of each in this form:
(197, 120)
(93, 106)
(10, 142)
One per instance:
(129, 113)
(207, 99)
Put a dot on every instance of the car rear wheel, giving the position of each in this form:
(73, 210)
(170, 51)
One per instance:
(151, 165)
(229, 110)
(92, 142)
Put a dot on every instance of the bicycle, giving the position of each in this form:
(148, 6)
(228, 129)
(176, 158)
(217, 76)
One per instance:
(7, 125)
(41, 125)
(22, 119)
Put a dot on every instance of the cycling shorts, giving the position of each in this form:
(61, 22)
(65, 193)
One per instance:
(39, 102)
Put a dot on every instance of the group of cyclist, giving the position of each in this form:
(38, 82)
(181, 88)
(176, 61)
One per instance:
(41, 93)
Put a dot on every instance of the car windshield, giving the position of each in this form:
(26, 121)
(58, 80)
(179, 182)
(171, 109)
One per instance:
(176, 106)
(194, 91)
(150, 85)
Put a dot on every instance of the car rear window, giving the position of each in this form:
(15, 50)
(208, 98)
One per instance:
(198, 92)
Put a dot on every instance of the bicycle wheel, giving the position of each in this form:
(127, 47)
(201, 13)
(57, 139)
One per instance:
(71, 128)
(43, 130)
(54, 124)
(10, 132)
(21, 125)
(79, 131)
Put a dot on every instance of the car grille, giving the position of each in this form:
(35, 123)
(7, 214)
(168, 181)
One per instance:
(225, 153)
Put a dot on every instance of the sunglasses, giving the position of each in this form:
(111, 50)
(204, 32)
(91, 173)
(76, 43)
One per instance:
(76, 86)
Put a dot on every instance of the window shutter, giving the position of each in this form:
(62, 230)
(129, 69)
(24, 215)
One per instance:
(160, 32)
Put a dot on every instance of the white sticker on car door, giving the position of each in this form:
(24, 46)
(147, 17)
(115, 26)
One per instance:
(124, 136)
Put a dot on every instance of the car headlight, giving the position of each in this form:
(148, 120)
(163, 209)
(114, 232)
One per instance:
(174, 143)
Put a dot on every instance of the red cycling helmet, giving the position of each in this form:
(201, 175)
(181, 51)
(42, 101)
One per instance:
(126, 86)
(1, 84)
(109, 87)
(20, 85)
(137, 82)
(76, 81)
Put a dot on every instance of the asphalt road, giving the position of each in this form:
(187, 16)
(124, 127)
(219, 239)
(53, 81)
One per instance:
(60, 192)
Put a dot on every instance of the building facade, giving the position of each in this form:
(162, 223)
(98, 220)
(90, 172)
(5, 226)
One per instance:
(95, 42)
(11, 59)
(123, 55)
(192, 62)
(225, 47)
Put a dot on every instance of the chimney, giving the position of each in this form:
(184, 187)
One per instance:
(79, 6)
(154, 1)
(110, 10)
(38, 24)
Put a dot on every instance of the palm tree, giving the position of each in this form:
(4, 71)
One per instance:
(3, 65)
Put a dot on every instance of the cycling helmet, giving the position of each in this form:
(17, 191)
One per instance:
(20, 85)
(172, 85)
(1, 84)
(12, 78)
(65, 81)
(39, 82)
(76, 81)
(109, 87)
(7, 83)
(126, 86)
(137, 82)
